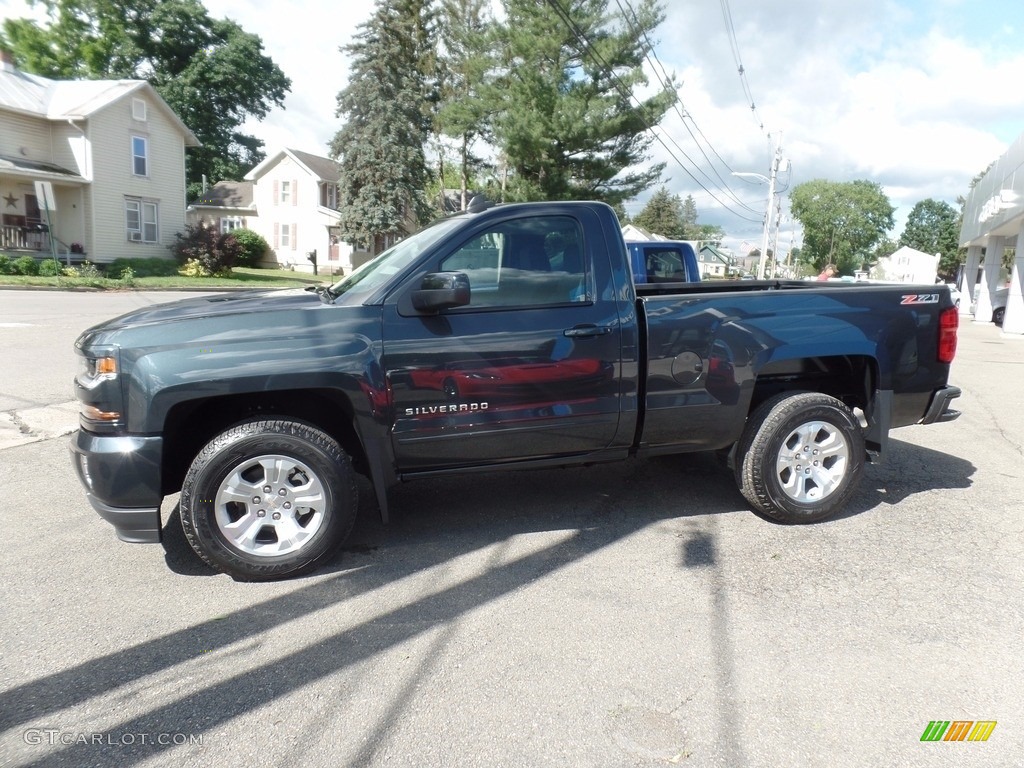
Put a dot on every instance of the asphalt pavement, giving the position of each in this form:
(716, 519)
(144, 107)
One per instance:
(623, 615)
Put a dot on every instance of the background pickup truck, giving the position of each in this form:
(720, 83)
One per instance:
(506, 337)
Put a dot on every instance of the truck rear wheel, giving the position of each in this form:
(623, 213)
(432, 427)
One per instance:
(268, 499)
(800, 458)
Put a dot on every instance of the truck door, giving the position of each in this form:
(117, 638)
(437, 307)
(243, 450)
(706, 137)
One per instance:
(528, 370)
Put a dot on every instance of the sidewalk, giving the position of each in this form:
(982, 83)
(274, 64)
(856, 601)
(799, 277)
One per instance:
(34, 424)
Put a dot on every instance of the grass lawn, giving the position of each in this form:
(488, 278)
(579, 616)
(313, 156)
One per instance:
(241, 277)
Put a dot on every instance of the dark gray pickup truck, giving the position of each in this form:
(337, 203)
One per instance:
(507, 337)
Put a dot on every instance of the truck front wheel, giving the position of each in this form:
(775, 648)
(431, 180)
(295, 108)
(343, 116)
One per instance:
(268, 499)
(800, 458)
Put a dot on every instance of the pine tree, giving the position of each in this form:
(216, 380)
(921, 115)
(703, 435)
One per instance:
(663, 215)
(386, 107)
(563, 111)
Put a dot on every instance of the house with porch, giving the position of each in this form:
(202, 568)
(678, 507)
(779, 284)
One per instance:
(94, 168)
(295, 195)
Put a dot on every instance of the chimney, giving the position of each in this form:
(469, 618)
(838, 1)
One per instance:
(6, 60)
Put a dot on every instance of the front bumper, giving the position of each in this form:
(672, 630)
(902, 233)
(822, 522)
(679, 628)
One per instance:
(939, 410)
(121, 476)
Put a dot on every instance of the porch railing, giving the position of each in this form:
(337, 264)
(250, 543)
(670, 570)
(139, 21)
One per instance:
(23, 238)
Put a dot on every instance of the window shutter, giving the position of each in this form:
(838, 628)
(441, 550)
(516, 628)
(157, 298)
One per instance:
(277, 193)
(295, 191)
(277, 235)
(295, 236)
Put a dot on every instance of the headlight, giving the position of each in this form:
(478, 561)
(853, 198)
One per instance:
(98, 390)
(96, 369)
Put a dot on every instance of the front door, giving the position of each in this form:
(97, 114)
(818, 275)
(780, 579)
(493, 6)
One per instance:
(528, 370)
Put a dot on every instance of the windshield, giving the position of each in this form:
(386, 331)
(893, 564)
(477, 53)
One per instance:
(368, 277)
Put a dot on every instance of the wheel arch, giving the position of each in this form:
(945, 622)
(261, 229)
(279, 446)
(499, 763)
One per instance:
(190, 424)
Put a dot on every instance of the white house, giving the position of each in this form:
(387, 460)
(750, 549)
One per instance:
(295, 195)
(907, 265)
(110, 152)
(225, 206)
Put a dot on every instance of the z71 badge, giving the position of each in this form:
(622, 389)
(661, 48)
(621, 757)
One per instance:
(920, 298)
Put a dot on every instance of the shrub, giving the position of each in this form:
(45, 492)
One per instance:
(194, 268)
(26, 265)
(152, 267)
(252, 247)
(6, 266)
(88, 269)
(49, 268)
(216, 253)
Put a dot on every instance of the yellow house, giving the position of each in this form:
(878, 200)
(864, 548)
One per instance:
(94, 168)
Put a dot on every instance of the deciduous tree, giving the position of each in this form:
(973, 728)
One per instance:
(842, 221)
(933, 226)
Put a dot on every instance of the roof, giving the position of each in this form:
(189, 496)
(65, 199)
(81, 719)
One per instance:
(226, 194)
(711, 251)
(633, 233)
(322, 168)
(74, 99)
(34, 169)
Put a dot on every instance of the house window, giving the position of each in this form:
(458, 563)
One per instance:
(286, 192)
(286, 234)
(140, 156)
(228, 223)
(139, 110)
(141, 220)
(329, 195)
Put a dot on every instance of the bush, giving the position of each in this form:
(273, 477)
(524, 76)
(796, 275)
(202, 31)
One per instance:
(88, 269)
(215, 253)
(49, 268)
(6, 267)
(252, 246)
(194, 268)
(26, 265)
(152, 267)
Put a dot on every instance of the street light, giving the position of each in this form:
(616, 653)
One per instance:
(770, 180)
(767, 216)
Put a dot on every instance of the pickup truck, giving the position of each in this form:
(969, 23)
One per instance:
(505, 337)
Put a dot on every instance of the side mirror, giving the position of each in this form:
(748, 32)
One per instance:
(441, 290)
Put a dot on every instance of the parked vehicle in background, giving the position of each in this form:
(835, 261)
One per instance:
(663, 261)
(999, 299)
(954, 294)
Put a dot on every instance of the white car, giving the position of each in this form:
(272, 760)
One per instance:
(998, 303)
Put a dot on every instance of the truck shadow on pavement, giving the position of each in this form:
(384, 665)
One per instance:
(433, 522)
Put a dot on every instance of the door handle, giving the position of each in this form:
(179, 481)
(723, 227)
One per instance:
(585, 331)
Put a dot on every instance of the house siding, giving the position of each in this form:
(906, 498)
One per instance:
(308, 223)
(26, 136)
(110, 131)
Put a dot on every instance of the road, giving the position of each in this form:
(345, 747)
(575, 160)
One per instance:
(622, 615)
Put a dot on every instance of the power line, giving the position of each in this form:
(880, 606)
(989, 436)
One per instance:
(627, 93)
(634, 23)
(730, 31)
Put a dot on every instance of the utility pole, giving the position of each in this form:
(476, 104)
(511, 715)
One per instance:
(776, 159)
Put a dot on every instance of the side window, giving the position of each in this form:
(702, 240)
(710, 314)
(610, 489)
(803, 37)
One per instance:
(525, 262)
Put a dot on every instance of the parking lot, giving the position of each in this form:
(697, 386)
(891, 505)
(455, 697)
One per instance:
(620, 615)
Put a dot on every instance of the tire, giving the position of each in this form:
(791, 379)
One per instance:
(242, 500)
(997, 315)
(769, 457)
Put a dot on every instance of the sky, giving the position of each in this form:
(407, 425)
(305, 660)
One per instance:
(918, 96)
